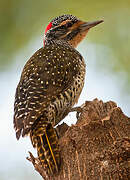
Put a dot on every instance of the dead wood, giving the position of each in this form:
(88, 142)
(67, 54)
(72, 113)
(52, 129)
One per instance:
(96, 147)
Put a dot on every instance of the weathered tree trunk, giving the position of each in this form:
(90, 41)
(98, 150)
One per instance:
(96, 147)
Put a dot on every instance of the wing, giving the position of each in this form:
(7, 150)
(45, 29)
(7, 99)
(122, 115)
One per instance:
(47, 73)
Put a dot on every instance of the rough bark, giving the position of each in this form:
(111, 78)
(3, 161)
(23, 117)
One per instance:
(96, 147)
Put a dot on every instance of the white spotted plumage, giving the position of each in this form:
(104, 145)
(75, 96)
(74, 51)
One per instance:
(32, 92)
(50, 85)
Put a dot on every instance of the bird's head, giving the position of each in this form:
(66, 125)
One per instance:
(68, 28)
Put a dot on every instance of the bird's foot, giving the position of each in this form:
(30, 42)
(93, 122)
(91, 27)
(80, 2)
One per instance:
(78, 110)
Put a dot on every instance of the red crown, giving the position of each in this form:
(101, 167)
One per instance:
(48, 27)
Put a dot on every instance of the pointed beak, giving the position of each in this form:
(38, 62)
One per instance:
(88, 25)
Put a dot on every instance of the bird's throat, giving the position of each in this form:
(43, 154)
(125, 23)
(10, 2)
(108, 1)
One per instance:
(78, 38)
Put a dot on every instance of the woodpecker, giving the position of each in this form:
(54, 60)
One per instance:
(50, 84)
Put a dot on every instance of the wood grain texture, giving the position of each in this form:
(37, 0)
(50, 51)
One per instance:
(97, 147)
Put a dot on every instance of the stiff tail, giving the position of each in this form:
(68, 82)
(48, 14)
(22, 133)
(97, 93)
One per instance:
(44, 137)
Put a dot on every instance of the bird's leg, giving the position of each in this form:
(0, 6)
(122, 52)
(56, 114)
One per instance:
(79, 109)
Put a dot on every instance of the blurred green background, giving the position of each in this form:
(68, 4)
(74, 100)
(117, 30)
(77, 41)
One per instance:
(106, 48)
(20, 21)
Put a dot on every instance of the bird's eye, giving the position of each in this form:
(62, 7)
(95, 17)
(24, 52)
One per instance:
(61, 27)
(64, 26)
(69, 24)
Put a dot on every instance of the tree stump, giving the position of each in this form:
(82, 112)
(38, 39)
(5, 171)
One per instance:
(96, 147)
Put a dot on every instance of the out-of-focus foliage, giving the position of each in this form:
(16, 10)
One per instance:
(22, 20)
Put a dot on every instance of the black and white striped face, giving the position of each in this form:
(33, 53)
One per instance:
(68, 28)
(60, 27)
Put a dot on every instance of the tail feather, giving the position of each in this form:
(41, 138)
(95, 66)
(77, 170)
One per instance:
(51, 151)
(46, 141)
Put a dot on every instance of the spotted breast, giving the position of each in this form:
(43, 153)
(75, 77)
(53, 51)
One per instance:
(50, 85)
